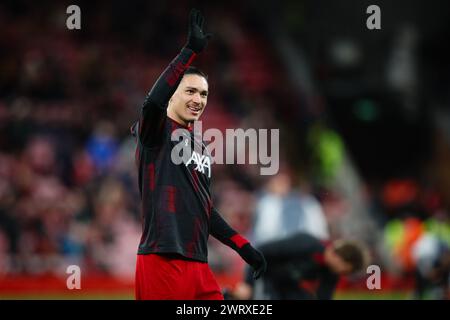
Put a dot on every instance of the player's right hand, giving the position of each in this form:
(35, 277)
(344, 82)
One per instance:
(197, 38)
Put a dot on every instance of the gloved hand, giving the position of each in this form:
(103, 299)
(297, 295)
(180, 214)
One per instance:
(254, 258)
(197, 39)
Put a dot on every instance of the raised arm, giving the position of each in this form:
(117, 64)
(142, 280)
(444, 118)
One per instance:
(153, 113)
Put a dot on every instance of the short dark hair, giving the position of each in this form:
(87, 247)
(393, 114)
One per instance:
(353, 253)
(195, 70)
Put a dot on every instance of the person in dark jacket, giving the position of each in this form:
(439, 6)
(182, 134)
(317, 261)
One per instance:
(303, 267)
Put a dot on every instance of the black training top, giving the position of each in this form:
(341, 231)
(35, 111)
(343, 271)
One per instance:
(177, 210)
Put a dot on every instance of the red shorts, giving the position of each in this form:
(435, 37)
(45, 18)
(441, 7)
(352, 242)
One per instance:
(160, 277)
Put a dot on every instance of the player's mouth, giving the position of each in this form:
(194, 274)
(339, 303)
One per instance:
(195, 110)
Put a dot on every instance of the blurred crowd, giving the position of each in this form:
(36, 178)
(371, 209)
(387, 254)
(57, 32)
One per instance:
(68, 190)
(68, 184)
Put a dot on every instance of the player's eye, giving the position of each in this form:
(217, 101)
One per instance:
(204, 94)
(190, 91)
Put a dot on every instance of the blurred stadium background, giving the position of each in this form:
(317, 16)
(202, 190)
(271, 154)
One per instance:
(364, 119)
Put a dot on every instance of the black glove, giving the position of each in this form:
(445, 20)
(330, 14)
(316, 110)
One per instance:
(197, 39)
(254, 258)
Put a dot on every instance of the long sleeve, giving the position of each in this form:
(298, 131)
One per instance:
(153, 113)
(222, 231)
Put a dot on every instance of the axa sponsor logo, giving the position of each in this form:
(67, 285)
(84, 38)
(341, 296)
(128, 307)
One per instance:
(202, 163)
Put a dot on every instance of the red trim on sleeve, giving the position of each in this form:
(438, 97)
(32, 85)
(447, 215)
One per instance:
(179, 68)
(191, 59)
(239, 240)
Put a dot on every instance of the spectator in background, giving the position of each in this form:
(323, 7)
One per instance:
(282, 211)
(102, 146)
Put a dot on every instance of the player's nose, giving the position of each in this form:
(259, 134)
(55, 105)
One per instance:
(196, 98)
